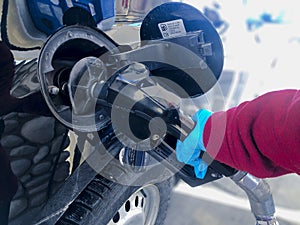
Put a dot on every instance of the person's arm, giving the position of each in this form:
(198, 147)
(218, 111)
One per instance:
(261, 137)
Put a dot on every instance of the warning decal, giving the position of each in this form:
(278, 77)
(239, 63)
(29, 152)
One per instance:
(172, 28)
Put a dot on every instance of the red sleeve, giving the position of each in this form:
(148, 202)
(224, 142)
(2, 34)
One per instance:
(261, 137)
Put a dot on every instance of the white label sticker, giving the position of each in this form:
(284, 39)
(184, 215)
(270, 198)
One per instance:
(172, 28)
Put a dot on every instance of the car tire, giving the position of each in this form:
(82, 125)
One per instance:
(104, 202)
(36, 146)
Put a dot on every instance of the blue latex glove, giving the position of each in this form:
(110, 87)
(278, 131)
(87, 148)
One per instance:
(189, 150)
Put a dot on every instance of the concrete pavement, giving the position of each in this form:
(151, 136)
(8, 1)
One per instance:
(223, 203)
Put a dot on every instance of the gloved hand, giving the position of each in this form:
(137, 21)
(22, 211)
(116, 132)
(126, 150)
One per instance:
(189, 150)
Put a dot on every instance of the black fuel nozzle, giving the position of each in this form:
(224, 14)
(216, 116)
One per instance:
(149, 115)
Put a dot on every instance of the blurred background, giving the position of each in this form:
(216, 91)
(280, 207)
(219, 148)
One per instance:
(262, 48)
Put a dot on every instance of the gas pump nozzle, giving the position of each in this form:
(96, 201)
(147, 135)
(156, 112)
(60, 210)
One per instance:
(147, 112)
